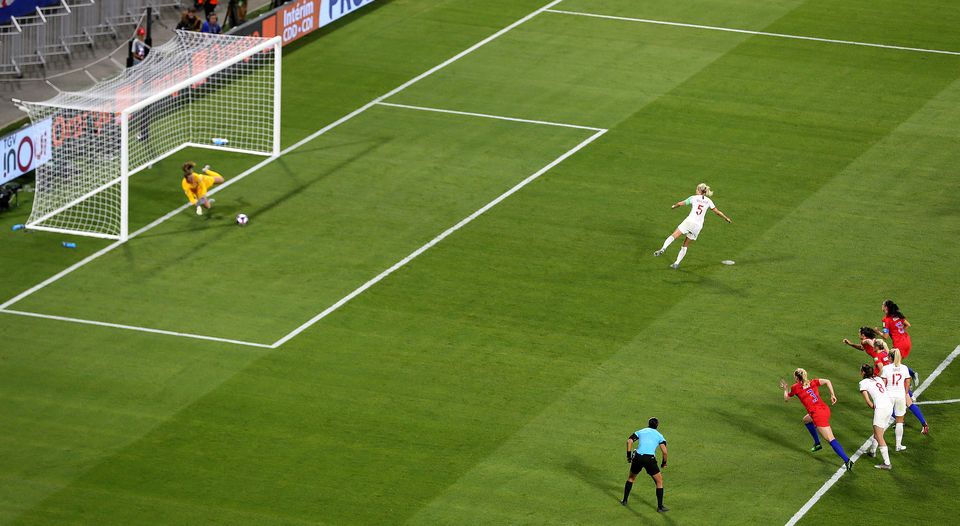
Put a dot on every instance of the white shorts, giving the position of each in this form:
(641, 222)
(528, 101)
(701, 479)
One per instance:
(899, 405)
(690, 228)
(881, 415)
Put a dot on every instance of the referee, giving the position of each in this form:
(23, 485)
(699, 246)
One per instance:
(643, 457)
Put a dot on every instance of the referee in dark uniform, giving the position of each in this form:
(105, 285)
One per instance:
(643, 457)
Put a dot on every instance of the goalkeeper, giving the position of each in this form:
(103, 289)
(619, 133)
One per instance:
(196, 185)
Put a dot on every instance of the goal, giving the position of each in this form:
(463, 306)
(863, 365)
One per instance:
(196, 90)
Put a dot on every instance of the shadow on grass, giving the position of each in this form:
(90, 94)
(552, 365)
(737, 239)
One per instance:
(748, 424)
(608, 486)
(223, 214)
(594, 477)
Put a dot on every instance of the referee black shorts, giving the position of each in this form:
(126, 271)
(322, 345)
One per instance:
(644, 462)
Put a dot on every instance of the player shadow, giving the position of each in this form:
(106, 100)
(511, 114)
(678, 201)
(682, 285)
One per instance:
(594, 477)
(607, 485)
(228, 210)
(701, 275)
(281, 165)
(748, 424)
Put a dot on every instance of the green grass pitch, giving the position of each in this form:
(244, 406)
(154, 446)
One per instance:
(495, 378)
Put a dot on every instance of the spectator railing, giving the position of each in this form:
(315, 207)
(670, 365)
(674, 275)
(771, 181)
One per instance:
(56, 28)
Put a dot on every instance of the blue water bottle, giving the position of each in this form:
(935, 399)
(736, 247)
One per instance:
(18, 226)
(69, 244)
(219, 142)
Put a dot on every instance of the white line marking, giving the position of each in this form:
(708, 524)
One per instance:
(748, 32)
(936, 372)
(396, 266)
(268, 160)
(836, 476)
(488, 116)
(135, 328)
(934, 402)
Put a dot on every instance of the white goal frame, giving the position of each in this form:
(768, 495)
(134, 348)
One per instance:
(124, 117)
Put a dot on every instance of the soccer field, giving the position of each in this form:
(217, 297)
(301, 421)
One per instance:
(445, 308)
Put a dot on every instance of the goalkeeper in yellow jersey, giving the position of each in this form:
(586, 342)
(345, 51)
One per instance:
(196, 185)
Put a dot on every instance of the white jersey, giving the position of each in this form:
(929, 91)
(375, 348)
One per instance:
(876, 389)
(895, 377)
(699, 205)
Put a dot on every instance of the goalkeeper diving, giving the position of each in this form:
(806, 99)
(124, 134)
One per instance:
(196, 185)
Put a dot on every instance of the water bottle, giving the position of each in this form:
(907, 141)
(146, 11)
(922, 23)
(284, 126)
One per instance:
(219, 142)
(18, 227)
(69, 244)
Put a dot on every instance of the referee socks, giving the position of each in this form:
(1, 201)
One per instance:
(626, 491)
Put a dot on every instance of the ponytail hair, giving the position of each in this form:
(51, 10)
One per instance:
(893, 310)
(897, 358)
(881, 345)
(866, 371)
(703, 189)
(868, 332)
(801, 375)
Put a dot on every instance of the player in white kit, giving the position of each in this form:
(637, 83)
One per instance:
(897, 377)
(874, 394)
(691, 226)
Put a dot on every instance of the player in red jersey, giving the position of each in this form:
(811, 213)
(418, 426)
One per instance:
(879, 356)
(895, 324)
(817, 418)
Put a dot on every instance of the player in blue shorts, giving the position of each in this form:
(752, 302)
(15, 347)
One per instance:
(643, 457)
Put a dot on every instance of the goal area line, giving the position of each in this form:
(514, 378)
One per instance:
(597, 133)
(4, 307)
(938, 402)
(860, 450)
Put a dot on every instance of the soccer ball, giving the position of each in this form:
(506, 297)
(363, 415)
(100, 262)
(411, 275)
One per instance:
(242, 219)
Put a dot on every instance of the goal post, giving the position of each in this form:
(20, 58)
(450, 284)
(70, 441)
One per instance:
(196, 90)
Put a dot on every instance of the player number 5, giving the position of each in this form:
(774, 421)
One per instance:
(699, 209)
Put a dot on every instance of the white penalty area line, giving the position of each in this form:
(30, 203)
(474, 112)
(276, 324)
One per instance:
(4, 306)
(836, 476)
(488, 116)
(936, 402)
(749, 32)
(134, 328)
(396, 266)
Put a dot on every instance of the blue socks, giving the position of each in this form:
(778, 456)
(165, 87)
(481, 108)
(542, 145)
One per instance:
(839, 450)
(813, 432)
(915, 409)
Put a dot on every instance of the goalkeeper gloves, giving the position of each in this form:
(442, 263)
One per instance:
(205, 168)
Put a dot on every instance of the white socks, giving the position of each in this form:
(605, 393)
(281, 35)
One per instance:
(873, 445)
(885, 453)
(683, 252)
(899, 433)
(666, 243)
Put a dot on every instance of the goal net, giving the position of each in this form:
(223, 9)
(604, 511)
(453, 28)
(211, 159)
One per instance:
(198, 89)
